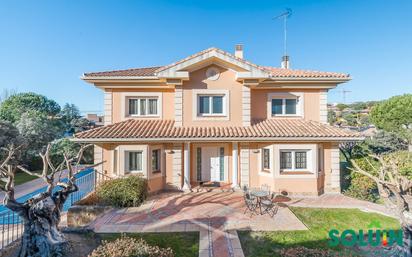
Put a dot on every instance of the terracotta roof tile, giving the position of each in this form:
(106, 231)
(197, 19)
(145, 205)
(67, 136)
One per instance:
(137, 72)
(264, 129)
(274, 71)
(289, 73)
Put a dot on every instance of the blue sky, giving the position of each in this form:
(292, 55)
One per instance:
(45, 46)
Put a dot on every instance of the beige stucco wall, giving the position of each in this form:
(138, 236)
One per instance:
(167, 102)
(169, 167)
(226, 81)
(292, 184)
(198, 81)
(329, 166)
(259, 98)
(156, 184)
(156, 181)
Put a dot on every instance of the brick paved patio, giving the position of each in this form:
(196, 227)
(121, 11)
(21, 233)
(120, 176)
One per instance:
(216, 215)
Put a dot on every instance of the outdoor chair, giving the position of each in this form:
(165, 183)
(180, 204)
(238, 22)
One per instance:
(245, 189)
(269, 206)
(265, 187)
(251, 203)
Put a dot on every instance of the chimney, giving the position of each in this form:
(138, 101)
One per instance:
(239, 51)
(285, 62)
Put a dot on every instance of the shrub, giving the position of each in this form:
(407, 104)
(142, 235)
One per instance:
(362, 187)
(130, 191)
(130, 247)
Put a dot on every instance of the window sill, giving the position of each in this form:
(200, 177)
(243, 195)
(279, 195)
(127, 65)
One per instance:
(296, 173)
(156, 172)
(211, 115)
(287, 116)
(143, 116)
(265, 171)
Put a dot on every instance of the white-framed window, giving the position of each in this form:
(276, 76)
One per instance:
(156, 160)
(211, 105)
(133, 161)
(265, 159)
(143, 106)
(295, 160)
(285, 104)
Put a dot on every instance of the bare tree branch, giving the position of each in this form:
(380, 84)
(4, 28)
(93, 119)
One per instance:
(31, 173)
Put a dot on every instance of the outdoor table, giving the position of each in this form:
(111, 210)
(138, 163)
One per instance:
(259, 194)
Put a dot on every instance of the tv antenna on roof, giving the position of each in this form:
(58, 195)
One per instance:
(285, 15)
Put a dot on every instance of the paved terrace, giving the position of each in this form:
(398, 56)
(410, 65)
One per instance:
(216, 215)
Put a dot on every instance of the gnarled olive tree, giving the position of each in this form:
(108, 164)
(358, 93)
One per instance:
(41, 213)
(393, 186)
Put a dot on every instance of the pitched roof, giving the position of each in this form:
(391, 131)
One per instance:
(288, 73)
(138, 72)
(272, 129)
(274, 72)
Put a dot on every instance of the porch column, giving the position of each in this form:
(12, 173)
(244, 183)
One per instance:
(235, 166)
(186, 167)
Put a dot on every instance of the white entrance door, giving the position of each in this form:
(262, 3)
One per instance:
(210, 164)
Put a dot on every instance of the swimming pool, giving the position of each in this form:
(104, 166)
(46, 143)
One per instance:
(85, 180)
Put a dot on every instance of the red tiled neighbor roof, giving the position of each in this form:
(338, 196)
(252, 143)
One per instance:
(165, 130)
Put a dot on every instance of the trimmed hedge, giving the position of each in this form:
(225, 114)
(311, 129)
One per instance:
(130, 191)
(130, 247)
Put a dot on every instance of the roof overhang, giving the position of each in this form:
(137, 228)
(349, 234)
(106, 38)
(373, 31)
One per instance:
(245, 72)
(231, 139)
(307, 80)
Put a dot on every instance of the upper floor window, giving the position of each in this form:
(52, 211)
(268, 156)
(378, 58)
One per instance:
(210, 105)
(143, 106)
(285, 104)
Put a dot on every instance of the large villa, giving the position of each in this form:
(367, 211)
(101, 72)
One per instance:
(215, 117)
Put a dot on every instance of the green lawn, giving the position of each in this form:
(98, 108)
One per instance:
(22, 177)
(183, 244)
(319, 222)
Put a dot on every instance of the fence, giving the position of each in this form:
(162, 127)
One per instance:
(11, 225)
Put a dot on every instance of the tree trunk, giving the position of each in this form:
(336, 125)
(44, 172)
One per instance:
(406, 249)
(41, 234)
(41, 217)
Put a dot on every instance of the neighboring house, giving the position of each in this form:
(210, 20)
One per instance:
(214, 116)
(97, 120)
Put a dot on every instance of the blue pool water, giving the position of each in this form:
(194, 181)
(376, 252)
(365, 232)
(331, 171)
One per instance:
(84, 180)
